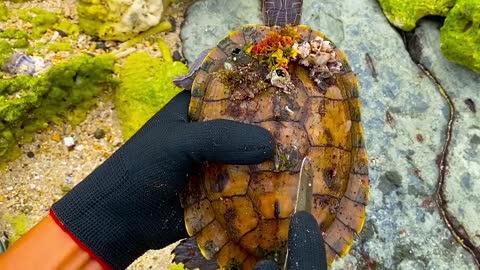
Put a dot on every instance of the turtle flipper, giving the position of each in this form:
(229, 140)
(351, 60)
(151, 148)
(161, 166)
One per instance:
(188, 253)
(185, 81)
(282, 12)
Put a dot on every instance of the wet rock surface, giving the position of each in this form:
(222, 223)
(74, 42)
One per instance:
(405, 118)
(462, 86)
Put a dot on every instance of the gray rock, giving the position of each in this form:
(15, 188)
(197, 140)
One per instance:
(463, 86)
(399, 102)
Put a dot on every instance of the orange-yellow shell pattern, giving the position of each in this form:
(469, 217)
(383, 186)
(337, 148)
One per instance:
(240, 214)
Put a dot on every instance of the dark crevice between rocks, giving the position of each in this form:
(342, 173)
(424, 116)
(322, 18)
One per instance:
(457, 230)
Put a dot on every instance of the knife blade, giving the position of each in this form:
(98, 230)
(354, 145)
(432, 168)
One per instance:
(305, 187)
(304, 192)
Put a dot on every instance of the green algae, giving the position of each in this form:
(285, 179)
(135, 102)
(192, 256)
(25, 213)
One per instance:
(404, 14)
(3, 12)
(165, 50)
(11, 38)
(101, 19)
(146, 85)
(161, 27)
(65, 92)
(42, 21)
(460, 34)
(67, 27)
(60, 46)
(6, 50)
(20, 223)
(179, 266)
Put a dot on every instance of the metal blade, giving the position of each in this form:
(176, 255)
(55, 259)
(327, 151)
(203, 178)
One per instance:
(304, 192)
(305, 187)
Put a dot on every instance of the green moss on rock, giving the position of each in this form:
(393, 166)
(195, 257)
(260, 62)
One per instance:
(42, 20)
(3, 12)
(118, 20)
(404, 14)
(6, 50)
(20, 223)
(67, 27)
(60, 46)
(66, 91)
(460, 34)
(146, 85)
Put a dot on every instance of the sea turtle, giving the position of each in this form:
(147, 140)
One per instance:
(297, 84)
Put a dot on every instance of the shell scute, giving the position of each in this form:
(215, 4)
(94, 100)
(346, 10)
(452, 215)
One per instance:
(328, 123)
(212, 238)
(237, 215)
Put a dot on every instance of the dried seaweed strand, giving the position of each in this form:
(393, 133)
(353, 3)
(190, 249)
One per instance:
(455, 228)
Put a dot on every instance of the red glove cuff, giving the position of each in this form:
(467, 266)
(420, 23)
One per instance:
(80, 244)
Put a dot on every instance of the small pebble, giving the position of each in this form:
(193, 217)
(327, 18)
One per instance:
(69, 142)
(68, 179)
(173, 23)
(9, 188)
(177, 56)
(79, 147)
(56, 138)
(100, 45)
(62, 33)
(30, 154)
(99, 134)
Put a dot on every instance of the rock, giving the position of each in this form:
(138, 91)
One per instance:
(146, 85)
(69, 143)
(65, 91)
(118, 19)
(404, 14)
(460, 35)
(389, 82)
(460, 84)
(99, 133)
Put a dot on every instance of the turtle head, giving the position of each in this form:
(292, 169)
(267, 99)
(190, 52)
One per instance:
(282, 12)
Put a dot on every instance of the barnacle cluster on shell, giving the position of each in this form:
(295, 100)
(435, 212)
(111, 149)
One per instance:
(320, 57)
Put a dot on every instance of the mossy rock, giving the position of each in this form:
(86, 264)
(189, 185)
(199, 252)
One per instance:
(65, 92)
(404, 14)
(20, 223)
(118, 20)
(3, 12)
(11, 38)
(146, 86)
(460, 34)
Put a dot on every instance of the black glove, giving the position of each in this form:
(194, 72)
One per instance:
(306, 250)
(131, 204)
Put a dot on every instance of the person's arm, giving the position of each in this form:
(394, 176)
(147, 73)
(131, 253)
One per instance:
(130, 203)
(47, 246)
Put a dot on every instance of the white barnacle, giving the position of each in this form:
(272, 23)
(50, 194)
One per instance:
(321, 59)
(303, 49)
(327, 46)
(334, 66)
(280, 78)
(316, 44)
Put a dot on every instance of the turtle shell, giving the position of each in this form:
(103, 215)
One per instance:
(241, 214)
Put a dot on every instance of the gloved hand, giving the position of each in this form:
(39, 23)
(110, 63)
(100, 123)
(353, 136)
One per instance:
(130, 203)
(306, 250)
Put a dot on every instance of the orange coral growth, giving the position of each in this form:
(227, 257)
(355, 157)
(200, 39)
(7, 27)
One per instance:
(276, 50)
